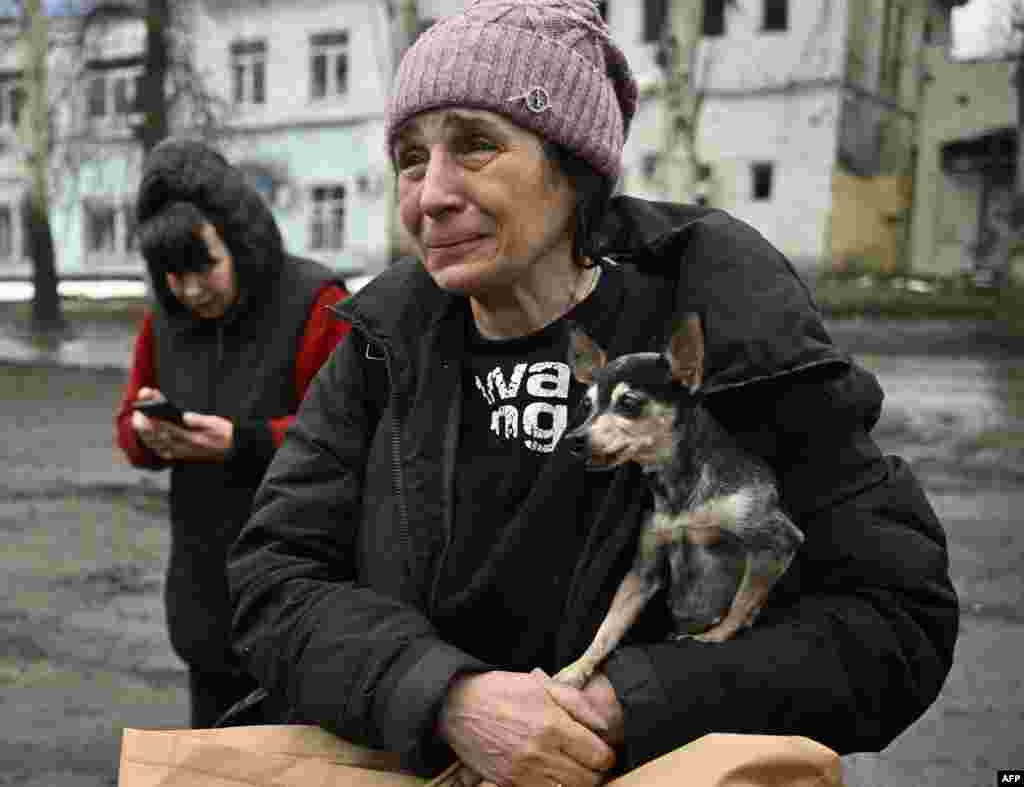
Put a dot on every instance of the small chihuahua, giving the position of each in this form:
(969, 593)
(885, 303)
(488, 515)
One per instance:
(716, 533)
(716, 527)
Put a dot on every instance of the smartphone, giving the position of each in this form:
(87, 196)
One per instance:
(164, 409)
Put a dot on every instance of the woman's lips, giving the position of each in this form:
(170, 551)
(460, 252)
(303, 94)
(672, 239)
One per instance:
(443, 244)
(453, 249)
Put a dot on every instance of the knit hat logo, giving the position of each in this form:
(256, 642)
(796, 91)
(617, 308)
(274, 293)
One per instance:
(536, 98)
(549, 66)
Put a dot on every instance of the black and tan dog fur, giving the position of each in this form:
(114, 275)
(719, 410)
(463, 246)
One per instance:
(715, 539)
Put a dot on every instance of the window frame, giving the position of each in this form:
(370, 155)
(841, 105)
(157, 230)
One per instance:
(113, 92)
(8, 220)
(712, 24)
(762, 181)
(248, 69)
(328, 226)
(333, 49)
(95, 211)
(12, 99)
(655, 20)
(775, 16)
(120, 216)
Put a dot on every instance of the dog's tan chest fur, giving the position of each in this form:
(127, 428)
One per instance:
(701, 525)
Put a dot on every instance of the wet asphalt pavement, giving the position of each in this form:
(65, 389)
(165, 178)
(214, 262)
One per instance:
(83, 651)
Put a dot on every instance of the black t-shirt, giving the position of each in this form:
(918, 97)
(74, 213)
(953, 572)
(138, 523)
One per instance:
(519, 397)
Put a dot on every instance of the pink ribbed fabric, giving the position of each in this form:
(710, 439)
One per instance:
(547, 65)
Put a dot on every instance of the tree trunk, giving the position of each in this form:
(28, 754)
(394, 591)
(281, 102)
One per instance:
(406, 27)
(1017, 203)
(35, 133)
(679, 166)
(47, 316)
(153, 101)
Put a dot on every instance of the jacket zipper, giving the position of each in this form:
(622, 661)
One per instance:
(218, 362)
(397, 476)
(451, 439)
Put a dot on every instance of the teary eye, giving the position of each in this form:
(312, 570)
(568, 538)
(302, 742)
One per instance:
(630, 403)
(412, 162)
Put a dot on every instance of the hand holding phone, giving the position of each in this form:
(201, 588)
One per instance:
(163, 408)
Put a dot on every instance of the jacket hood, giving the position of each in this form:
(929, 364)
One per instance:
(760, 319)
(188, 171)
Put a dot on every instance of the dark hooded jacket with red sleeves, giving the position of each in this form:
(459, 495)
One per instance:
(334, 578)
(251, 366)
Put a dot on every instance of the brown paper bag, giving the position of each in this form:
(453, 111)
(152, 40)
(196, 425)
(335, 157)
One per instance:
(307, 756)
(257, 756)
(727, 760)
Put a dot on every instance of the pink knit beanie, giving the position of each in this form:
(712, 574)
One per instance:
(547, 65)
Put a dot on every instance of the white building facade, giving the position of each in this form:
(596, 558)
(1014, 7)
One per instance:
(792, 94)
(297, 90)
(806, 110)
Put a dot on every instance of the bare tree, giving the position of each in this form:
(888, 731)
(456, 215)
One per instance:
(404, 16)
(1016, 218)
(34, 131)
(679, 166)
(170, 83)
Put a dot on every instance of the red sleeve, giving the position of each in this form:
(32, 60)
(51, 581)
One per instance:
(142, 375)
(323, 332)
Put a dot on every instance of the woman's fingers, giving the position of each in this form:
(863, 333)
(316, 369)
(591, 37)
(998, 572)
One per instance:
(506, 727)
(573, 702)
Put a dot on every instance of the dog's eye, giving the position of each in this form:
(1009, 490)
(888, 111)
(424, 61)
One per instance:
(630, 403)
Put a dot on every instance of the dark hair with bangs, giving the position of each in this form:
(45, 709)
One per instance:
(593, 192)
(170, 240)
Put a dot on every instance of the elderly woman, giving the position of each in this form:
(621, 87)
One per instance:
(423, 550)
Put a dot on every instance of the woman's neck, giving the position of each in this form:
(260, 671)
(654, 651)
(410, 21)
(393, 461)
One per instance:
(534, 302)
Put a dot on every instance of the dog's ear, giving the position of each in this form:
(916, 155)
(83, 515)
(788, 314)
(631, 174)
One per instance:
(585, 356)
(685, 351)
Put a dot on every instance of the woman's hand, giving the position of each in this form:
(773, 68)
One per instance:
(152, 431)
(597, 700)
(507, 728)
(205, 438)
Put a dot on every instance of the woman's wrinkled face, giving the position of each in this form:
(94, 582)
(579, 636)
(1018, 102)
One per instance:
(208, 293)
(479, 199)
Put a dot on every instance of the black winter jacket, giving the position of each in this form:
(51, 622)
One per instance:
(332, 578)
(241, 367)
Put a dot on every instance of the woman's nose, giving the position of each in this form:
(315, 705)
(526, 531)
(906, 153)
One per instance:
(441, 188)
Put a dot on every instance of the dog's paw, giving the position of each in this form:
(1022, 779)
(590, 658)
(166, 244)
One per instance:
(717, 633)
(575, 675)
